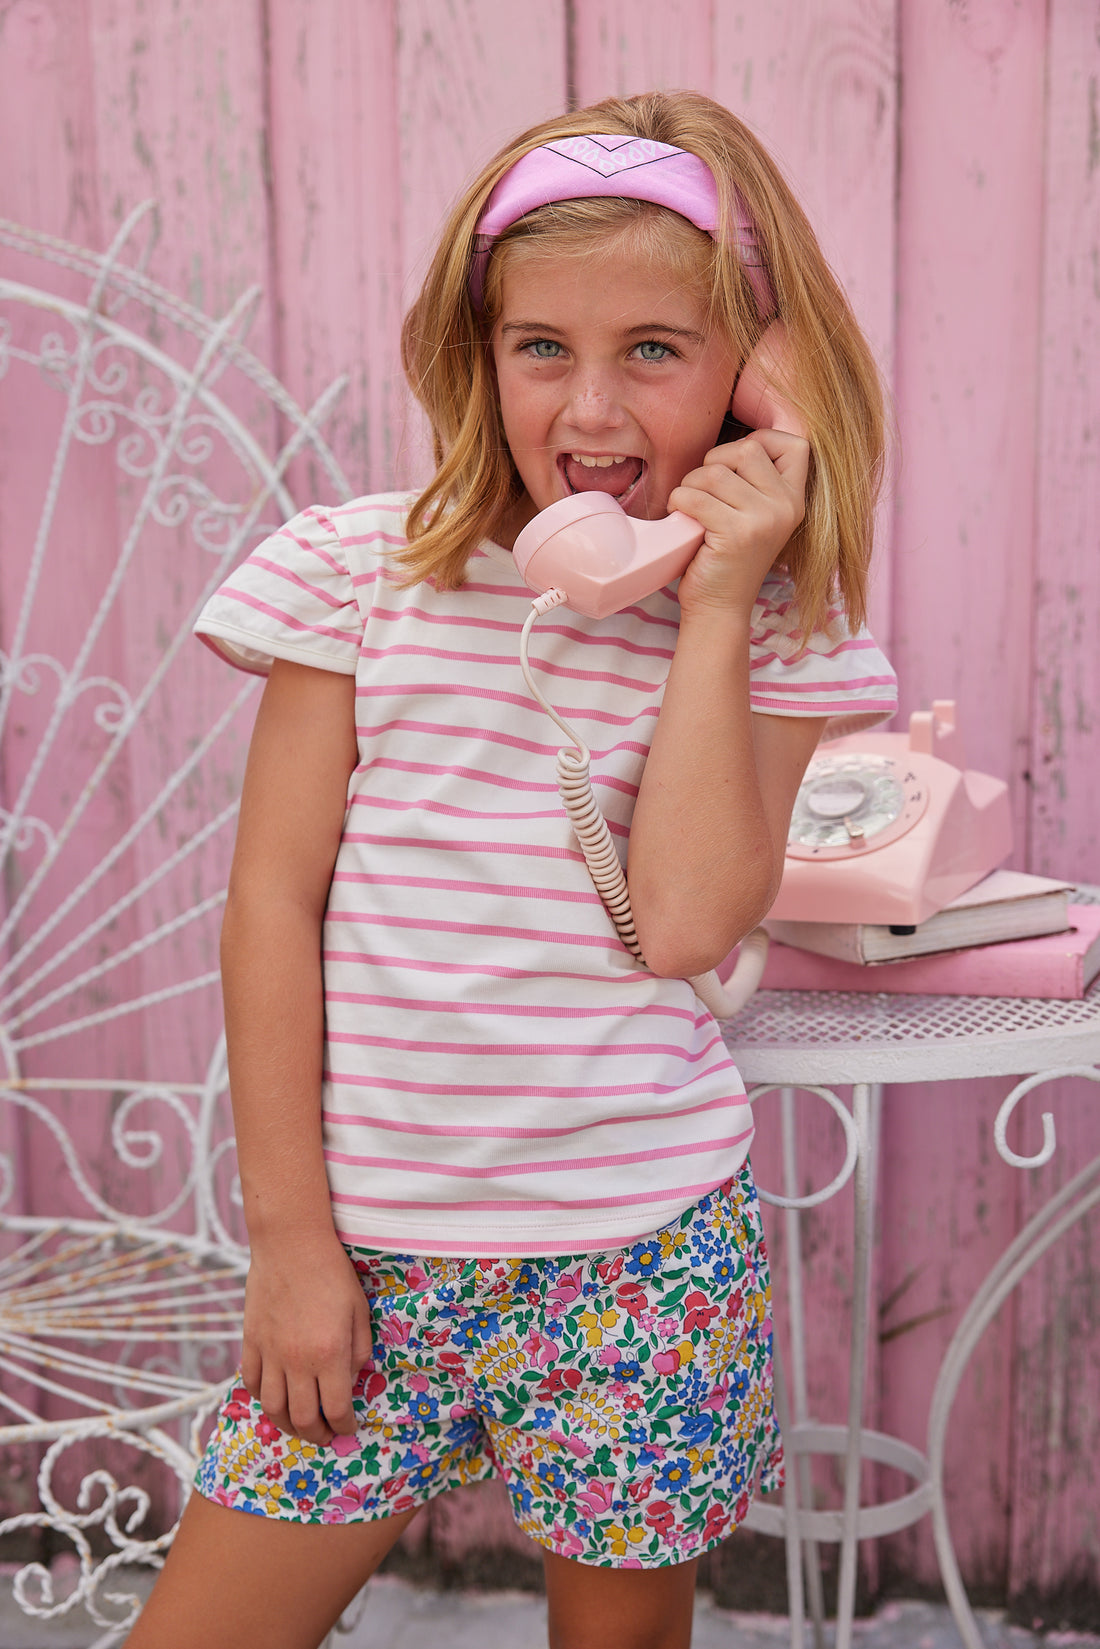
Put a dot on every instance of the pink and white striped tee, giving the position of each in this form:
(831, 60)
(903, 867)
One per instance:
(501, 1077)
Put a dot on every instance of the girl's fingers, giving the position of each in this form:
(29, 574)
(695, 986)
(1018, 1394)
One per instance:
(251, 1369)
(305, 1411)
(790, 454)
(335, 1388)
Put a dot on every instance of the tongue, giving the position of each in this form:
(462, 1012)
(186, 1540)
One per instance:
(614, 478)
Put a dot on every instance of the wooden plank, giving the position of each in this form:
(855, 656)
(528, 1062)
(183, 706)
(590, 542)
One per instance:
(626, 46)
(1054, 1467)
(1055, 1488)
(181, 110)
(818, 83)
(969, 207)
(47, 120)
(335, 189)
(1065, 799)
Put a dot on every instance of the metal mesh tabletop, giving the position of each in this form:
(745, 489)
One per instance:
(845, 1036)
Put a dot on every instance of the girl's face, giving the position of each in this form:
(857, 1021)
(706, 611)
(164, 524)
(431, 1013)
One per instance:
(608, 380)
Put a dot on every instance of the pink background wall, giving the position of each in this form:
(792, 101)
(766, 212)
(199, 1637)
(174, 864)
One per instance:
(949, 155)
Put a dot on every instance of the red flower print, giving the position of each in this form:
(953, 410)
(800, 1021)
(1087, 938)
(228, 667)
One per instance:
(660, 1516)
(717, 1519)
(370, 1384)
(610, 1269)
(734, 1303)
(632, 1298)
(436, 1336)
(698, 1312)
(640, 1491)
(266, 1429)
(560, 1379)
(450, 1362)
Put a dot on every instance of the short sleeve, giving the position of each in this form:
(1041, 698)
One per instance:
(836, 672)
(293, 598)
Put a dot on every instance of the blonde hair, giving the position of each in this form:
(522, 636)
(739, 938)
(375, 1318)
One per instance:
(833, 383)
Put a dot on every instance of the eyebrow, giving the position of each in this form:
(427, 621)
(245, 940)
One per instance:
(644, 331)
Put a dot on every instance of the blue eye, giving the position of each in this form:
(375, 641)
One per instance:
(651, 350)
(544, 349)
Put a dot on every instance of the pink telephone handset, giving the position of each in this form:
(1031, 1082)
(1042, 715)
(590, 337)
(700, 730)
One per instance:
(603, 559)
(587, 552)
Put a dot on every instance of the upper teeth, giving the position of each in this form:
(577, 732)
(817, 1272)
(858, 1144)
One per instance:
(594, 463)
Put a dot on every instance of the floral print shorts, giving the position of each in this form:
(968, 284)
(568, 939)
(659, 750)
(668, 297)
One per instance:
(624, 1397)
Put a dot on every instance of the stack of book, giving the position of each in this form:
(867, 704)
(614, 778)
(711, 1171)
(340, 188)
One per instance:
(1011, 935)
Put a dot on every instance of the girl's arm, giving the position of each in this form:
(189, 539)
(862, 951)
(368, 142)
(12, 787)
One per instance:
(710, 826)
(307, 1325)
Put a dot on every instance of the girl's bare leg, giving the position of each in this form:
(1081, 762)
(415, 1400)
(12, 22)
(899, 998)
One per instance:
(233, 1580)
(592, 1608)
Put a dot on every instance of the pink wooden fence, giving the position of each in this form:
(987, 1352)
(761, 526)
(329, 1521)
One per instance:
(949, 155)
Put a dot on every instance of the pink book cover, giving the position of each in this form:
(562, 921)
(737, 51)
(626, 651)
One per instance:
(1056, 965)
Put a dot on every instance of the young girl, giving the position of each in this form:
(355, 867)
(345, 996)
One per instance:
(494, 1167)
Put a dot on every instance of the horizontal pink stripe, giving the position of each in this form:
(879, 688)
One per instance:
(522, 1090)
(521, 1010)
(516, 1205)
(441, 884)
(447, 810)
(445, 730)
(477, 970)
(459, 1131)
(480, 775)
(512, 627)
(507, 661)
(521, 701)
(524, 1050)
(851, 705)
(423, 923)
(856, 686)
(290, 577)
(567, 1165)
(522, 850)
(349, 641)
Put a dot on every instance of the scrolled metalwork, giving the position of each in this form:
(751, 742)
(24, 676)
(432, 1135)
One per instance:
(851, 1148)
(121, 1281)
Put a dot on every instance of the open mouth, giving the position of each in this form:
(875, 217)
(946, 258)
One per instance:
(587, 472)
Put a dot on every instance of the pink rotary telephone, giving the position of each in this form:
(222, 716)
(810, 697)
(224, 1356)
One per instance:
(603, 559)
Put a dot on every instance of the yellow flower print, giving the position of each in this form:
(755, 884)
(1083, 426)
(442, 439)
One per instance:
(672, 1242)
(594, 1324)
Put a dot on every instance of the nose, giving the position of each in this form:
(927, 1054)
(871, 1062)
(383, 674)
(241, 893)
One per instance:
(594, 403)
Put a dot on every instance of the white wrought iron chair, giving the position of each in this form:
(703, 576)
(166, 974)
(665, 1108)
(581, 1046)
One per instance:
(146, 451)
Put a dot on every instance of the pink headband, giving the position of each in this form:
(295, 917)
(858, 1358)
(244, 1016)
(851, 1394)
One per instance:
(637, 168)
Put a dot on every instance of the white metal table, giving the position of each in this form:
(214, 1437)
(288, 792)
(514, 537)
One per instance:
(818, 1041)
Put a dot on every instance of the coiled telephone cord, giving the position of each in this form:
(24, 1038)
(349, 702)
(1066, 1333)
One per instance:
(591, 830)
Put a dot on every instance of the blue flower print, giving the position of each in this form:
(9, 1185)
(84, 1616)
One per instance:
(645, 1259)
(551, 1475)
(423, 1407)
(473, 1331)
(674, 1475)
(696, 1429)
(543, 1419)
(302, 1484)
(251, 1506)
(627, 1371)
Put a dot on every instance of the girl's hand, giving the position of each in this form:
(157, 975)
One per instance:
(748, 496)
(306, 1336)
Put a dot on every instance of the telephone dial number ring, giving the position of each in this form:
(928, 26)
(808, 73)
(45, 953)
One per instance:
(848, 805)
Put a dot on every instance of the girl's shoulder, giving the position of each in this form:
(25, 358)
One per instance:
(835, 671)
(305, 591)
